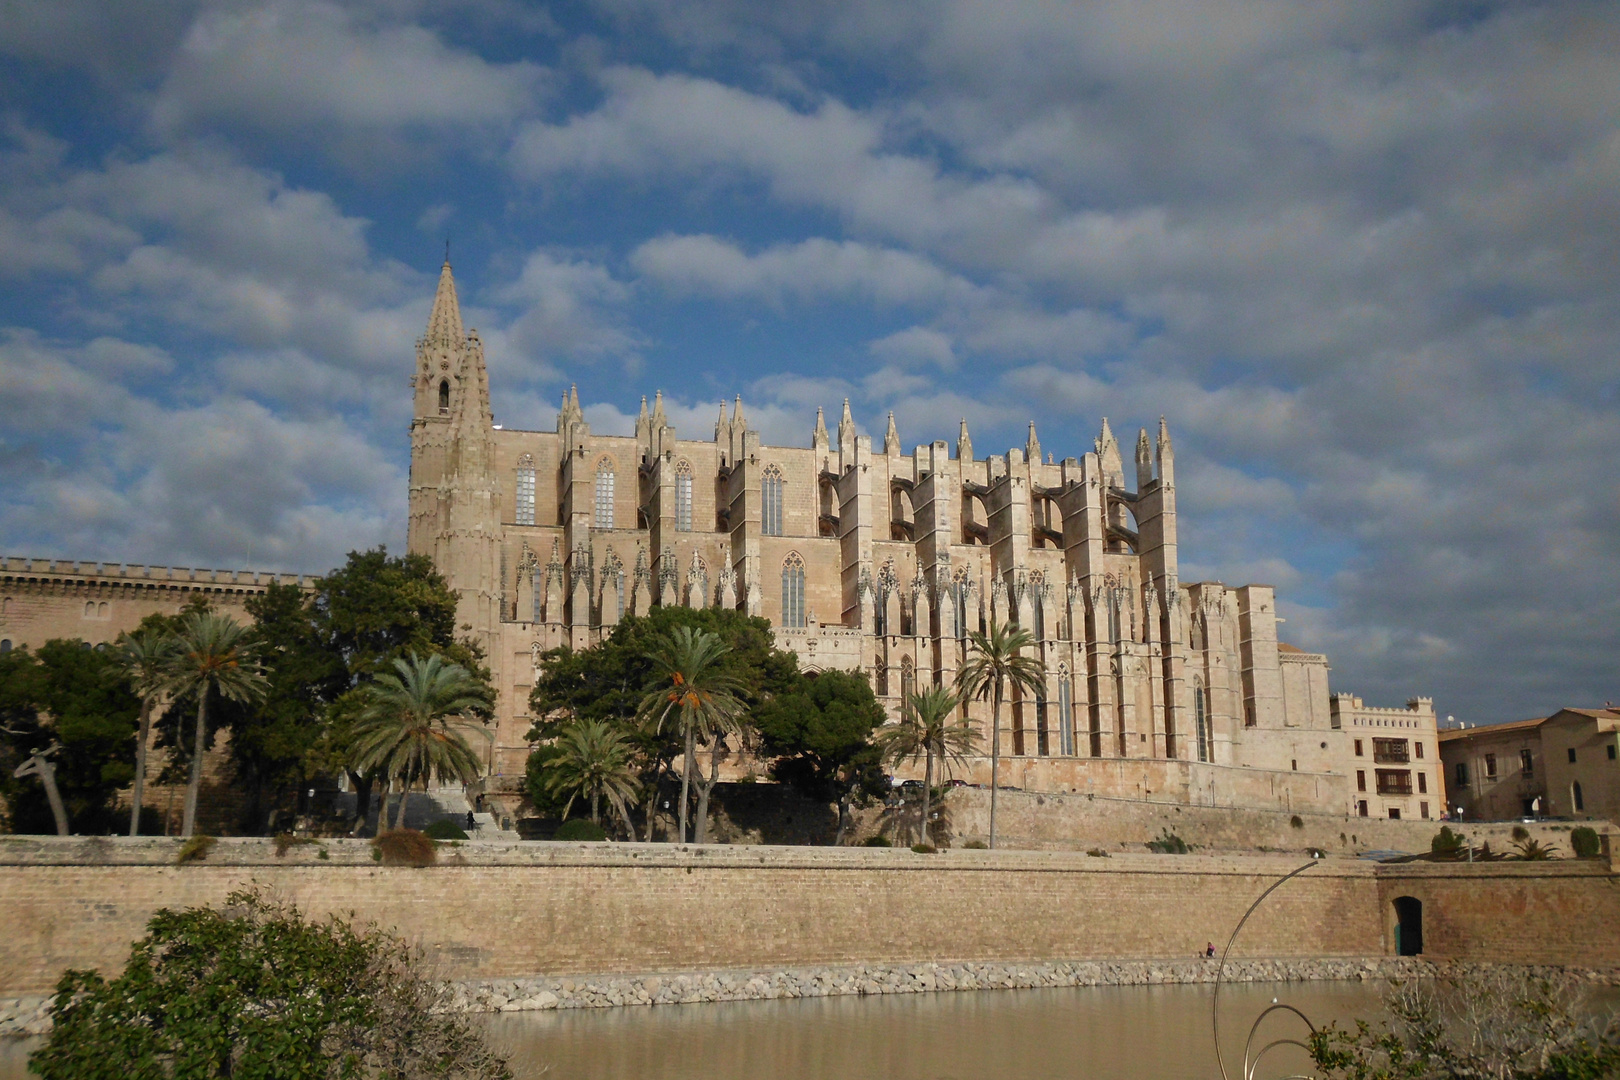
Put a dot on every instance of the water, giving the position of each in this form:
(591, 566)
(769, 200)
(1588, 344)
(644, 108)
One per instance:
(1117, 1033)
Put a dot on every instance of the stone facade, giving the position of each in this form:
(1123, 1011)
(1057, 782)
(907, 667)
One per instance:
(1393, 756)
(869, 558)
(1564, 765)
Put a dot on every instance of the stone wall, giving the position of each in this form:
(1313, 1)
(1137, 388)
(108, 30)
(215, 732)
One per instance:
(494, 911)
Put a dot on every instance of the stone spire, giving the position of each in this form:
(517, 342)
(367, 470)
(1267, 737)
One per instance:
(570, 413)
(846, 431)
(643, 425)
(722, 426)
(1167, 457)
(964, 444)
(737, 414)
(819, 437)
(444, 324)
(659, 419)
(891, 437)
(1032, 448)
(1144, 461)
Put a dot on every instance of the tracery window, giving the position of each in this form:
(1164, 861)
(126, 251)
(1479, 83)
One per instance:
(683, 497)
(1065, 715)
(771, 502)
(793, 591)
(908, 680)
(444, 397)
(525, 490)
(1200, 720)
(604, 494)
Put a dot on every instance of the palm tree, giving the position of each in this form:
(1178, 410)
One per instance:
(146, 659)
(995, 661)
(211, 657)
(403, 731)
(702, 697)
(593, 760)
(926, 728)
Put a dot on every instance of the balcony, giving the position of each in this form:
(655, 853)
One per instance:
(1394, 782)
(1392, 751)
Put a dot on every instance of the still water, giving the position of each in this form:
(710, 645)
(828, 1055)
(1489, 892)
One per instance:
(1117, 1033)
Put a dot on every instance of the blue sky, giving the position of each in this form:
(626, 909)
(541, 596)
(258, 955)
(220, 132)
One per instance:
(1362, 256)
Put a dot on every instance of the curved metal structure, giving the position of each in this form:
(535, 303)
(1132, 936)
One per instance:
(1215, 998)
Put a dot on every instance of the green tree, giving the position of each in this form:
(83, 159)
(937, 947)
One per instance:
(71, 696)
(592, 759)
(820, 735)
(257, 990)
(212, 657)
(697, 692)
(996, 663)
(144, 659)
(405, 732)
(927, 727)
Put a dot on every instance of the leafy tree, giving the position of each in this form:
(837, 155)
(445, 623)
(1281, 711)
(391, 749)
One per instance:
(144, 659)
(405, 731)
(592, 759)
(258, 990)
(213, 657)
(996, 663)
(698, 694)
(927, 727)
(820, 735)
(69, 695)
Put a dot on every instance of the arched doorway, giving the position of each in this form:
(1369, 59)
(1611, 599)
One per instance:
(1408, 926)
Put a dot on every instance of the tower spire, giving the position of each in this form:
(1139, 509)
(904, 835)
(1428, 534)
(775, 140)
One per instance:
(964, 443)
(1032, 447)
(444, 324)
(891, 437)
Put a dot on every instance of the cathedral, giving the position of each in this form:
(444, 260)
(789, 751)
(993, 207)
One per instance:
(879, 560)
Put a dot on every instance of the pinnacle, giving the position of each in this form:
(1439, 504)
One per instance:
(444, 324)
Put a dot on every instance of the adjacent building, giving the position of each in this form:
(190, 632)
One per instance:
(1393, 757)
(1563, 765)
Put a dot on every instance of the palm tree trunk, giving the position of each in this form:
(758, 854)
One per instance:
(596, 817)
(928, 788)
(843, 816)
(995, 757)
(194, 786)
(652, 801)
(686, 780)
(404, 800)
(140, 768)
(703, 793)
(382, 804)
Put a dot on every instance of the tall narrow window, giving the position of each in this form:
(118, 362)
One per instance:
(525, 490)
(444, 397)
(770, 498)
(908, 680)
(683, 497)
(1580, 799)
(1201, 720)
(604, 494)
(1065, 717)
(793, 591)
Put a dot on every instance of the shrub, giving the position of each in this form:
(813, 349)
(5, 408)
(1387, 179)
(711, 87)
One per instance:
(580, 829)
(1297, 822)
(1520, 832)
(445, 829)
(287, 841)
(1534, 851)
(1168, 843)
(977, 845)
(255, 989)
(925, 849)
(404, 847)
(1098, 853)
(1446, 843)
(1584, 839)
(876, 841)
(195, 850)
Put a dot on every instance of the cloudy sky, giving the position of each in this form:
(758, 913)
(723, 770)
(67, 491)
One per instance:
(1361, 255)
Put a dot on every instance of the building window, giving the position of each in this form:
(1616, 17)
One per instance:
(1200, 720)
(1423, 810)
(1572, 755)
(525, 490)
(770, 492)
(1417, 750)
(683, 497)
(1423, 783)
(1490, 766)
(959, 593)
(1462, 774)
(1527, 764)
(1575, 790)
(1361, 808)
(1065, 720)
(908, 680)
(1393, 751)
(1361, 779)
(1358, 748)
(1394, 813)
(1611, 751)
(444, 397)
(5, 645)
(793, 591)
(604, 494)
(1393, 781)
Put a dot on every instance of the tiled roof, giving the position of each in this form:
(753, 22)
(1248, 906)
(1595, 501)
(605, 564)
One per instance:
(1451, 734)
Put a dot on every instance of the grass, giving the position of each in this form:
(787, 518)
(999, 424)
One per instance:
(195, 849)
(404, 847)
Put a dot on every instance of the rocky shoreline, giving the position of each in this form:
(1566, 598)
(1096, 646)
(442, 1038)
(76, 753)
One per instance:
(29, 1015)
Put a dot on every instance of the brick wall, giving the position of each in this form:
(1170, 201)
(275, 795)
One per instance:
(512, 910)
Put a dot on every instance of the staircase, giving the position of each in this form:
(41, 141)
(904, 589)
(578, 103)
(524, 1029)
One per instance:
(449, 802)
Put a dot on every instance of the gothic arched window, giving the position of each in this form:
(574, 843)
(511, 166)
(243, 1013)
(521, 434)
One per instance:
(5, 645)
(604, 494)
(683, 497)
(770, 518)
(1065, 713)
(1200, 720)
(444, 397)
(793, 591)
(525, 490)
(908, 680)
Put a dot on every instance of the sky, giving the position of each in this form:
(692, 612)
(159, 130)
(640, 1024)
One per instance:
(1362, 257)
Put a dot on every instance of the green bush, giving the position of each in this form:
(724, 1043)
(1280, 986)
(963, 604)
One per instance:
(1296, 822)
(256, 990)
(1446, 842)
(580, 829)
(1584, 839)
(977, 845)
(1520, 832)
(925, 849)
(195, 850)
(404, 847)
(445, 829)
(876, 841)
(1168, 843)
(1097, 852)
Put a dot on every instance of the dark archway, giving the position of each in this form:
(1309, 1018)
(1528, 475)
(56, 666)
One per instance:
(1408, 926)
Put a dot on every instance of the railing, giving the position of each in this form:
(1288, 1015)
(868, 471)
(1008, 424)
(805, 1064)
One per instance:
(1394, 782)
(1396, 751)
